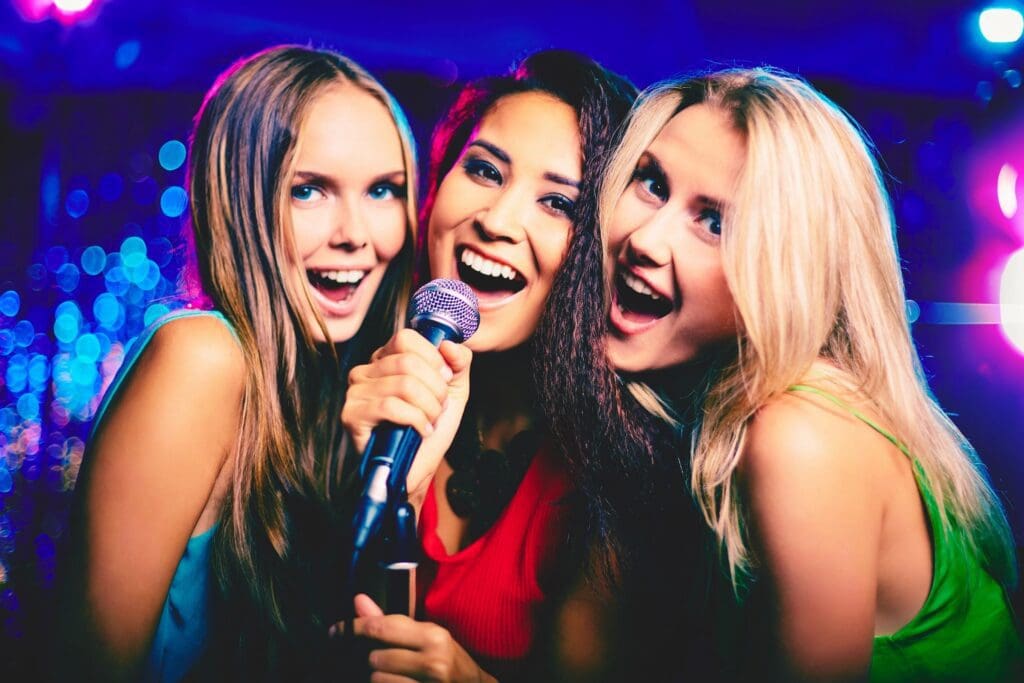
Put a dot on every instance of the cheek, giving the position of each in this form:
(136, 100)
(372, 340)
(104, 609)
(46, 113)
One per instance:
(551, 247)
(628, 215)
(390, 234)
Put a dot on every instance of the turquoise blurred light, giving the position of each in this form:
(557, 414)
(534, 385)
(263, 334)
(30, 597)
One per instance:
(172, 155)
(93, 260)
(87, 347)
(28, 407)
(133, 251)
(173, 201)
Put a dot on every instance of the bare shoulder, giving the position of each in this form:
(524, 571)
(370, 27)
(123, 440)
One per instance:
(198, 345)
(802, 434)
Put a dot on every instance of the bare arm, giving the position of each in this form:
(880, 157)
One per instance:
(816, 517)
(149, 473)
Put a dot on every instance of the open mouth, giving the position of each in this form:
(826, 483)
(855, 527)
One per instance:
(636, 301)
(336, 285)
(486, 276)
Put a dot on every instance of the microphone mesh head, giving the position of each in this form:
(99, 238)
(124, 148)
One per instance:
(451, 300)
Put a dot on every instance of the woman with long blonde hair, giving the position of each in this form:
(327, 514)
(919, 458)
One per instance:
(751, 244)
(208, 491)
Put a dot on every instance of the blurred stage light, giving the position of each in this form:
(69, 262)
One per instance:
(1001, 25)
(1011, 300)
(72, 6)
(1006, 190)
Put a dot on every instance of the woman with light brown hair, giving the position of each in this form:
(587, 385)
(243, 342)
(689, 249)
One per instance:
(751, 248)
(207, 486)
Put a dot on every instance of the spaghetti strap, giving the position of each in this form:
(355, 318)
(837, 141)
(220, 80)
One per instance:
(853, 411)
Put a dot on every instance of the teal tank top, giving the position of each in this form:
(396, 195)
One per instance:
(180, 637)
(965, 630)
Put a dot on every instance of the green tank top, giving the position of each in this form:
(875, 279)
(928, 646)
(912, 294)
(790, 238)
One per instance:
(965, 629)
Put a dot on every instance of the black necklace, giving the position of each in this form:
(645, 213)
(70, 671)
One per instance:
(483, 481)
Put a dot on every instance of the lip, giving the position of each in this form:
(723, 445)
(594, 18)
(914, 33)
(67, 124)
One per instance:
(339, 309)
(635, 273)
(488, 301)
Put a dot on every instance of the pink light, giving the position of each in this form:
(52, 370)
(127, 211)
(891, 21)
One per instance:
(33, 10)
(1011, 300)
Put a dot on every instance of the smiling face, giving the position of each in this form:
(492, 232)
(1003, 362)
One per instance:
(502, 217)
(347, 205)
(670, 299)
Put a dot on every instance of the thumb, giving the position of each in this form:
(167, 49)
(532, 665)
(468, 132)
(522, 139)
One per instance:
(366, 607)
(457, 356)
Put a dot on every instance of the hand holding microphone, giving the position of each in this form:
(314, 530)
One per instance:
(414, 388)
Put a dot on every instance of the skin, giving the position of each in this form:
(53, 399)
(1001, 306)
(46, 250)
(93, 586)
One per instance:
(158, 468)
(347, 201)
(509, 199)
(836, 520)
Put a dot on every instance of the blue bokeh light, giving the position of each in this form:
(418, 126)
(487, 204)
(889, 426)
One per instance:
(6, 342)
(55, 258)
(23, 333)
(155, 312)
(94, 259)
(133, 251)
(77, 203)
(28, 406)
(10, 303)
(126, 53)
(68, 277)
(88, 348)
(172, 155)
(173, 201)
(107, 310)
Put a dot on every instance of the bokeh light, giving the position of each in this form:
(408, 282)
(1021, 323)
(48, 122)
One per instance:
(1001, 24)
(173, 201)
(172, 155)
(1011, 300)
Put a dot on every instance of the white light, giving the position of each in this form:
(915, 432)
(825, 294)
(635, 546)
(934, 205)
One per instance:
(1000, 25)
(1011, 300)
(72, 6)
(1006, 190)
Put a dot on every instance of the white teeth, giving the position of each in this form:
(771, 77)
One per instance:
(485, 266)
(344, 277)
(639, 286)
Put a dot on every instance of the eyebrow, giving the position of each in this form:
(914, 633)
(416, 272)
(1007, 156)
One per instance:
(327, 181)
(651, 161)
(503, 156)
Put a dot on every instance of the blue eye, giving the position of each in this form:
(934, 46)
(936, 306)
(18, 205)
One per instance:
(560, 204)
(711, 219)
(652, 182)
(482, 169)
(307, 193)
(387, 190)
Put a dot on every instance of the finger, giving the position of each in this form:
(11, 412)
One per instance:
(404, 364)
(398, 661)
(366, 607)
(457, 356)
(411, 341)
(396, 630)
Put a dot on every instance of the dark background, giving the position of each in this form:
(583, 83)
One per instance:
(90, 204)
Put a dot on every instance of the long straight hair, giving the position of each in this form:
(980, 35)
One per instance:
(287, 453)
(810, 256)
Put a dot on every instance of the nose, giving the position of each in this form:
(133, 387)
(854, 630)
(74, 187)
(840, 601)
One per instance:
(502, 219)
(351, 232)
(648, 244)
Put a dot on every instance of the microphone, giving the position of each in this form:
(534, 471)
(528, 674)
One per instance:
(441, 309)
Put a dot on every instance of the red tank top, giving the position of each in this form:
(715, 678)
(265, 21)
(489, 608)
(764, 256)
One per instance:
(489, 595)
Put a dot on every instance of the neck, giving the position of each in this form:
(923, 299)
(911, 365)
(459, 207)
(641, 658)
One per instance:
(503, 396)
